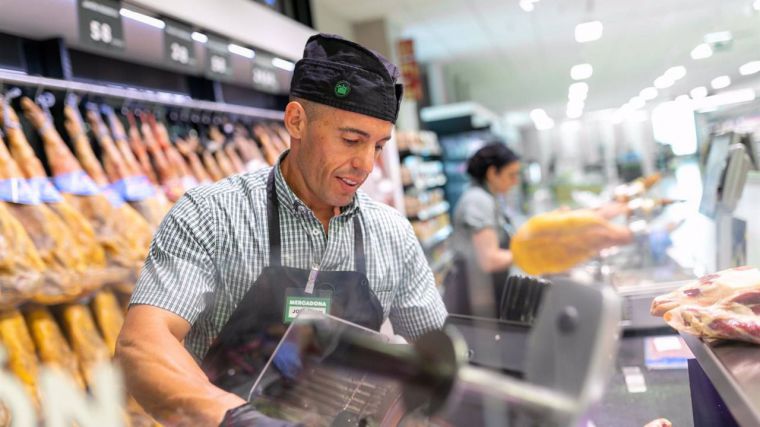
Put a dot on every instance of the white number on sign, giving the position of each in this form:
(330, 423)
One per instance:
(179, 53)
(264, 77)
(219, 64)
(100, 32)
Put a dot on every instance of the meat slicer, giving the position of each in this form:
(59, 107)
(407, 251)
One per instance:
(328, 372)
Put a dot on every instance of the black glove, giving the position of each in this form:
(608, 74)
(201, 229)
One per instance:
(246, 416)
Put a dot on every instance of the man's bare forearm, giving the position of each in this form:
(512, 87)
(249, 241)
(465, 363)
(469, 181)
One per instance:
(165, 379)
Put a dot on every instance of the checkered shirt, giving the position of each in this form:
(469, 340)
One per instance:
(214, 243)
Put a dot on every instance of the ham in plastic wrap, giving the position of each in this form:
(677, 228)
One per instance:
(123, 170)
(74, 261)
(122, 232)
(724, 305)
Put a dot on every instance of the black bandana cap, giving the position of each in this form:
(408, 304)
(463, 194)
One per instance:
(343, 74)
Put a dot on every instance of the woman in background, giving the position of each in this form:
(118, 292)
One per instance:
(482, 233)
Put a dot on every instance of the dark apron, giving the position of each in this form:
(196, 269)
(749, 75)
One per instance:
(457, 281)
(250, 336)
(500, 278)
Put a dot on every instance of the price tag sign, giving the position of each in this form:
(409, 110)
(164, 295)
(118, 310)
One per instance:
(264, 76)
(179, 49)
(100, 24)
(218, 58)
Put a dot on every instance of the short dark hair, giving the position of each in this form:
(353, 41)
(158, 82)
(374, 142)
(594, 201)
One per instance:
(493, 154)
(313, 109)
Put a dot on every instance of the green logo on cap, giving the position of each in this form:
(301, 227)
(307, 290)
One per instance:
(342, 89)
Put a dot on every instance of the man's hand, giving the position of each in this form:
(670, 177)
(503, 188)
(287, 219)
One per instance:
(246, 416)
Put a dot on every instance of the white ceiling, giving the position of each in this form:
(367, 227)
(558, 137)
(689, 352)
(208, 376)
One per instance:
(511, 60)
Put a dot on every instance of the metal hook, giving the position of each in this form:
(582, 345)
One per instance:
(12, 93)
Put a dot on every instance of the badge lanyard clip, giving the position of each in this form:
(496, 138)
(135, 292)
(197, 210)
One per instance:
(312, 280)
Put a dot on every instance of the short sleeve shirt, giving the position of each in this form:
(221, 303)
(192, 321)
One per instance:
(214, 243)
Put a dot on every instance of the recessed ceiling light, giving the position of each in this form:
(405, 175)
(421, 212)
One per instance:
(588, 31)
(575, 106)
(702, 51)
(648, 94)
(698, 92)
(577, 91)
(636, 102)
(663, 82)
(145, 19)
(718, 37)
(526, 5)
(538, 113)
(283, 64)
(720, 82)
(675, 73)
(581, 71)
(574, 114)
(751, 67)
(240, 50)
(199, 37)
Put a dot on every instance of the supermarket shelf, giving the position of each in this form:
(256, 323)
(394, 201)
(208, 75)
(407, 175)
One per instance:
(138, 95)
(437, 238)
(443, 262)
(432, 212)
(433, 182)
(734, 370)
(420, 153)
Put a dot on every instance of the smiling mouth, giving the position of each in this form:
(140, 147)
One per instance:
(349, 182)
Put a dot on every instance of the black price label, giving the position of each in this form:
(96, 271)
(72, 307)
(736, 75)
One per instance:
(218, 58)
(178, 44)
(100, 24)
(265, 78)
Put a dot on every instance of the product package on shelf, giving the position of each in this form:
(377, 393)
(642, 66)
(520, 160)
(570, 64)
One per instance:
(422, 177)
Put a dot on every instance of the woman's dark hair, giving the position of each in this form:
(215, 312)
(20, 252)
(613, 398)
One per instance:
(493, 154)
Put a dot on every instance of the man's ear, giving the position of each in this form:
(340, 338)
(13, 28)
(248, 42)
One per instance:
(295, 119)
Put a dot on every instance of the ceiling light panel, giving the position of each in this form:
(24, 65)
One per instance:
(581, 71)
(588, 31)
(721, 82)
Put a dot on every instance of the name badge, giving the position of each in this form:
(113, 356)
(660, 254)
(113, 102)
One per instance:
(295, 304)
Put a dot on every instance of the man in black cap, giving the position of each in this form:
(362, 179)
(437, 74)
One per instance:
(234, 262)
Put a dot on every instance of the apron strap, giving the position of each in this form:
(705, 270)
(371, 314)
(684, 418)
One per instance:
(360, 263)
(275, 243)
(273, 222)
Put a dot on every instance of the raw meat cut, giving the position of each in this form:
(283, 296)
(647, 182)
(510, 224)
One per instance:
(724, 305)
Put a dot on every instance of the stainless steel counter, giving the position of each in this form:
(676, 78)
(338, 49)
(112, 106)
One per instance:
(734, 370)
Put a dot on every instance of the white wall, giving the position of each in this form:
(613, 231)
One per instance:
(326, 20)
(241, 20)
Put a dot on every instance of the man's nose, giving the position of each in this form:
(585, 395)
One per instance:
(364, 160)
